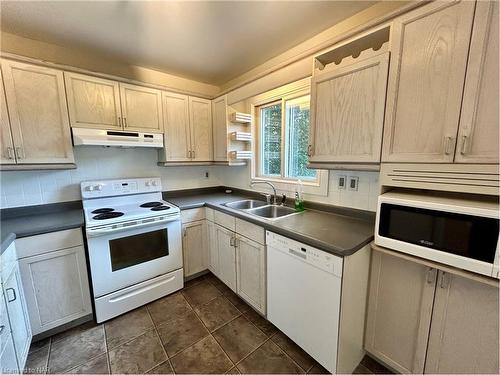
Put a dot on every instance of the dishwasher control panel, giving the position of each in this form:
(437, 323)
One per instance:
(318, 258)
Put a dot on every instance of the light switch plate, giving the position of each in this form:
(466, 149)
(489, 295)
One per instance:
(342, 182)
(353, 183)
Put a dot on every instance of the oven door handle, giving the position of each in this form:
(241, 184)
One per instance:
(128, 225)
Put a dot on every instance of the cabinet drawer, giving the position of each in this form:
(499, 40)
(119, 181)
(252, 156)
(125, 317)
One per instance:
(193, 214)
(251, 231)
(210, 213)
(44, 243)
(225, 220)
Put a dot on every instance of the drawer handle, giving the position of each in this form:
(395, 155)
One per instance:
(13, 293)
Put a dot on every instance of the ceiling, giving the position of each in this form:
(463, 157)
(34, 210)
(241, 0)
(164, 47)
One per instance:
(207, 41)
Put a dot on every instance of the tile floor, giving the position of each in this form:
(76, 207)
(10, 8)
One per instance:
(205, 328)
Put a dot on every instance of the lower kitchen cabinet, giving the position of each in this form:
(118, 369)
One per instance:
(225, 240)
(251, 272)
(424, 320)
(464, 329)
(195, 247)
(15, 330)
(18, 314)
(54, 274)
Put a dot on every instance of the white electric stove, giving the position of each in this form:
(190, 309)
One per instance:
(134, 242)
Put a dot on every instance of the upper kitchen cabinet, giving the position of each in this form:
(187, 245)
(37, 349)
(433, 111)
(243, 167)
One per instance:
(6, 145)
(200, 111)
(187, 123)
(220, 131)
(347, 114)
(176, 127)
(141, 108)
(104, 104)
(479, 123)
(231, 132)
(426, 79)
(93, 102)
(36, 103)
(348, 91)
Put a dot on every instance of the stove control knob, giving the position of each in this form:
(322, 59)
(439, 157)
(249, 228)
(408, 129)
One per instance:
(148, 183)
(98, 187)
(153, 182)
(89, 188)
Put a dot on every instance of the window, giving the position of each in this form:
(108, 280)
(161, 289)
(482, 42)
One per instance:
(284, 139)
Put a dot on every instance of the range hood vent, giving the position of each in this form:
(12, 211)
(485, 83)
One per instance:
(116, 138)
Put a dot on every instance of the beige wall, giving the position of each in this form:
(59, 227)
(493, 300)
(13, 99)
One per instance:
(82, 59)
(289, 66)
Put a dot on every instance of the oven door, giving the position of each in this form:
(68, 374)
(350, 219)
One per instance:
(127, 257)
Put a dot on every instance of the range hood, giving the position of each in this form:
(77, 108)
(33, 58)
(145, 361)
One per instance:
(116, 138)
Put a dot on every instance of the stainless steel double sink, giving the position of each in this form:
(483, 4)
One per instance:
(261, 209)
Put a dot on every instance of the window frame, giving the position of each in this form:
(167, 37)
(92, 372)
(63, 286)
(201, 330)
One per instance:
(319, 185)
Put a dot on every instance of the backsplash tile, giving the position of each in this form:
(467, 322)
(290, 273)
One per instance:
(25, 188)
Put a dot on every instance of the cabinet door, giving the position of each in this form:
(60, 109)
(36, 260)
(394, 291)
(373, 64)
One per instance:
(213, 250)
(427, 73)
(38, 113)
(7, 155)
(219, 115)
(141, 108)
(8, 360)
(479, 124)
(200, 111)
(56, 287)
(194, 247)
(348, 105)
(464, 330)
(227, 256)
(399, 311)
(93, 102)
(18, 315)
(176, 127)
(251, 272)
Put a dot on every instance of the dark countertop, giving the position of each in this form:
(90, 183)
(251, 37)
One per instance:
(33, 220)
(338, 231)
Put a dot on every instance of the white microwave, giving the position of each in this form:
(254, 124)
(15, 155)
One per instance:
(449, 229)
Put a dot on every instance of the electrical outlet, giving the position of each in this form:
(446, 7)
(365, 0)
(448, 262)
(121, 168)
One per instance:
(342, 182)
(353, 183)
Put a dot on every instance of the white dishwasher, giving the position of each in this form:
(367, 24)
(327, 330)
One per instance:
(303, 296)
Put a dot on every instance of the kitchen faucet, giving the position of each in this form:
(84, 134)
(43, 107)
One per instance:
(270, 200)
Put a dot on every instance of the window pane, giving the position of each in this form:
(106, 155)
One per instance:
(270, 119)
(297, 127)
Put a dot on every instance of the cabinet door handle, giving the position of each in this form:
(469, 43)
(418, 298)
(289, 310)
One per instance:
(14, 297)
(124, 122)
(10, 153)
(430, 275)
(193, 154)
(465, 143)
(309, 150)
(232, 241)
(119, 121)
(184, 232)
(19, 152)
(443, 284)
(448, 145)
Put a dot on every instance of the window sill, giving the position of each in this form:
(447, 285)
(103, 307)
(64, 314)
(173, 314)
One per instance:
(318, 187)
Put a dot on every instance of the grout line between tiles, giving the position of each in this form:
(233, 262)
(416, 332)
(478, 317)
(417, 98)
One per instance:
(209, 332)
(161, 344)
